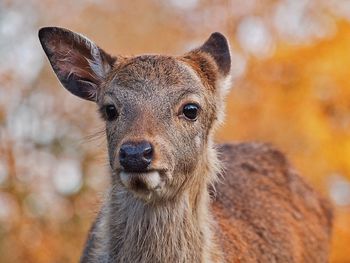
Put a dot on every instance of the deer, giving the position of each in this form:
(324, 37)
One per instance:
(174, 195)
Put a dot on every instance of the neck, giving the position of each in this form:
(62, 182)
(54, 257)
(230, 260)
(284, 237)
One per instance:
(174, 231)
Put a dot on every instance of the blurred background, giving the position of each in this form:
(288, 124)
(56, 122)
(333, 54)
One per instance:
(291, 66)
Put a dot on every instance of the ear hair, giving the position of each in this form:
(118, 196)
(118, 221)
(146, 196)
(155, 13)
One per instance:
(217, 46)
(79, 64)
(212, 61)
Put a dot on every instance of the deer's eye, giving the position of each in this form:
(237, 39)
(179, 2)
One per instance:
(111, 112)
(190, 111)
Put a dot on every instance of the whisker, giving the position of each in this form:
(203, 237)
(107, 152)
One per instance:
(97, 135)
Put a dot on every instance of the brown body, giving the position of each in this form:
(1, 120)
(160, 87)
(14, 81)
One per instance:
(165, 202)
(265, 210)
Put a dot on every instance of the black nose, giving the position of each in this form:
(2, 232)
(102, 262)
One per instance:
(135, 156)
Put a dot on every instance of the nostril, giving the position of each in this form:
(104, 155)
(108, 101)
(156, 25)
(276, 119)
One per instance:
(135, 156)
(148, 153)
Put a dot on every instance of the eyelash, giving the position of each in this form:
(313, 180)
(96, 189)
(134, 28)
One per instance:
(191, 106)
(104, 114)
(188, 111)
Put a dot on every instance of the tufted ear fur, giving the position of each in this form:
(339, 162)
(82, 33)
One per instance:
(218, 48)
(79, 64)
(212, 60)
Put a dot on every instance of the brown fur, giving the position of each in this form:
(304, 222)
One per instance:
(260, 211)
(268, 213)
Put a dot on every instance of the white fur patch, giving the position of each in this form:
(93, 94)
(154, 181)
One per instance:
(197, 140)
(225, 85)
(151, 179)
(125, 178)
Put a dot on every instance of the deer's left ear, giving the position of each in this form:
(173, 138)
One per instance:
(79, 64)
(212, 60)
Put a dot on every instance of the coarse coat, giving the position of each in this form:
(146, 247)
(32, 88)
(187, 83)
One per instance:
(203, 203)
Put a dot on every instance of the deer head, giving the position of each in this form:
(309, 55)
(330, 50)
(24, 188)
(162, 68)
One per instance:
(160, 111)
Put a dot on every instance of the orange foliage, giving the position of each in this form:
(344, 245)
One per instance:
(299, 99)
(296, 96)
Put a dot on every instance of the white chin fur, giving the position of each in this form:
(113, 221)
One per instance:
(151, 179)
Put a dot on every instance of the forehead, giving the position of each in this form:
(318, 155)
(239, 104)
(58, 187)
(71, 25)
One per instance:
(153, 73)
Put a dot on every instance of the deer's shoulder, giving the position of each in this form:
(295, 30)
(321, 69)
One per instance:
(266, 201)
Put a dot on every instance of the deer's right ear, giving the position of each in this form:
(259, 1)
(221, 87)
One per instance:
(79, 64)
(212, 61)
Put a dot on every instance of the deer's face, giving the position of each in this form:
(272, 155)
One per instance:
(159, 110)
(158, 115)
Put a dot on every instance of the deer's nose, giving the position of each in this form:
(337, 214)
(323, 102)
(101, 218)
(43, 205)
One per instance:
(135, 156)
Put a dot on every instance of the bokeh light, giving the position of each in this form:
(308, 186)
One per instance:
(291, 87)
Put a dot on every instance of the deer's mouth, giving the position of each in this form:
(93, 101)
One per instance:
(144, 183)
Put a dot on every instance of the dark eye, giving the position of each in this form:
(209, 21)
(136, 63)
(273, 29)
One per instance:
(111, 112)
(190, 111)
